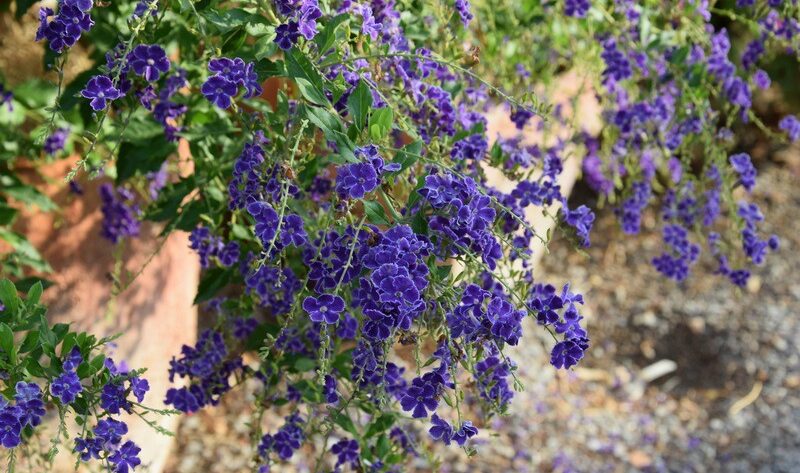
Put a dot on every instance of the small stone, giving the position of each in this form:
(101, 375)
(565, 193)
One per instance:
(639, 459)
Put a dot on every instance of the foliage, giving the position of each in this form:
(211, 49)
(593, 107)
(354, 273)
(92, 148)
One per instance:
(351, 214)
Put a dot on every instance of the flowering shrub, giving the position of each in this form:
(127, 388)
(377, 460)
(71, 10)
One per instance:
(350, 214)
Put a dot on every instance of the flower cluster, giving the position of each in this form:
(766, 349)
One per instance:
(106, 443)
(27, 410)
(120, 213)
(67, 26)
(226, 78)
(208, 366)
(301, 20)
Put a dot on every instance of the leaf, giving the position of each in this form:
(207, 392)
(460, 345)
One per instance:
(346, 423)
(228, 20)
(298, 66)
(142, 158)
(7, 214)
(311, 93)
(380, 123)
(375, 213)
(304, 364)
(35, 293)
(23, 6)
(211, 282)
(381, 424)
(23, 248)
(29, 195)
(358, 104)
(327, 36)
(408, 156)
(266, 68)
(6, 340)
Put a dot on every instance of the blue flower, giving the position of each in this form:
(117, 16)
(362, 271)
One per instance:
(126, 458)
(66, 387)
(568, 353)
(219, 91)
(744, 167)
(100, 89)
(149, 61)
(286, 35)
(139, 387)
(420, 398)
(356, 180)
(10, 428)
(266, 220)
(113, 399)
(441, 430)
(329, 390)
(791, 125)
(346, 451)
(325, 308)
(292, 231)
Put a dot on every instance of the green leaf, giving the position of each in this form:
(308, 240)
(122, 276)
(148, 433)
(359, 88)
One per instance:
(23, 6)
(9, 296)
(304, 364)
(29, 195)
(346, 423)
(228, 20)
(298, 66)
(7, 214)
(211, 282)
(380, 123)
(375, 213)
(142, 158)
(327, 36)
(358, 104)
(311, 93)
(266, 68)
(35, 293)
(381, 424)
(408, 156)
(7, 340)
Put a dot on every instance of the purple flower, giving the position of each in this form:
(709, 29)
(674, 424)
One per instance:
(219, 91)
(292, 231)
(110, 431)
(113, 399)
(744, 167)
(100, 89)
(325, 308)
(66, 387)
(576, 8)
(149, 61)
(329, 390)
(73, 359)
(761, 79)
(126, 458)
(568, 353)
(441, 430)
(356, 180)
(464, 433)
(369, 26)
(55, 142)
(10, 428)
(139, 387)
(463, 9)
(307, 22)
(791, 125)
(120, 216)
(419, 398)
(286, 35)
(30, 407)
(346, 451)
(266, 220)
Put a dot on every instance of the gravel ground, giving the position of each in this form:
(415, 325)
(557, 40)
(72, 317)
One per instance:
(682, 378)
